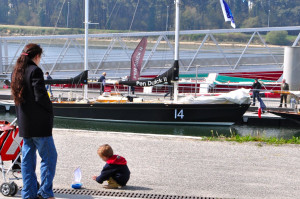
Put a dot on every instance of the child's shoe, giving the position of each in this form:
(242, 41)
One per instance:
(110, 187)
(112, 184)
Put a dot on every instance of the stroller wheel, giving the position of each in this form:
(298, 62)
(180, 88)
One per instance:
(5, 189)
(14, 189)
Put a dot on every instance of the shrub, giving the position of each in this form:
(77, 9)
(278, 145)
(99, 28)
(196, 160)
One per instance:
(277, 38)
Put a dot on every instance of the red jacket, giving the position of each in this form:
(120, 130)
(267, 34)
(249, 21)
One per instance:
(115, 167)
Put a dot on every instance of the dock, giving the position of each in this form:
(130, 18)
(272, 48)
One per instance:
(176, 167)
(267, 119)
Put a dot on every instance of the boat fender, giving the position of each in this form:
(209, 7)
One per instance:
(138, 100)
(130, 98)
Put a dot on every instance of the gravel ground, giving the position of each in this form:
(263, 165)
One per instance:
(182, 166)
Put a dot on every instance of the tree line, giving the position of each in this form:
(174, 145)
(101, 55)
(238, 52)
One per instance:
(149, 15)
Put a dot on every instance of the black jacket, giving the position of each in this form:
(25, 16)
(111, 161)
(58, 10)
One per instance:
(35, 114)
(256, 86)
(115, 167)
(284, 87)
(102, 79)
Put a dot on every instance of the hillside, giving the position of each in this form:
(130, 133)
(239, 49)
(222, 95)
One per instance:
(150, 15)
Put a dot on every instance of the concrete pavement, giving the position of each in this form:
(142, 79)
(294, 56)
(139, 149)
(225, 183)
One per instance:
(180, 166)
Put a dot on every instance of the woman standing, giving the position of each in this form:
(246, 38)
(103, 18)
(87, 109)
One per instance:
(35, 120)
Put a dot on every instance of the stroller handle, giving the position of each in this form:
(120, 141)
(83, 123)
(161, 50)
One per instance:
(14, 121)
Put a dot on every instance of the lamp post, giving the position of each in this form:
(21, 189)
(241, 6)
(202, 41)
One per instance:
(269, 19)
(167, 21)
(86, 42)
(269, 14)
(68, 14)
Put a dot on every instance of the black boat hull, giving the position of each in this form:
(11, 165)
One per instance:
(205, 114)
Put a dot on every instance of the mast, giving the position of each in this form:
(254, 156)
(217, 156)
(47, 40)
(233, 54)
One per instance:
(176, 56)
(176, 53)
(86, 44)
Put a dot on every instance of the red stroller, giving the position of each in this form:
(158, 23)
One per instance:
(10, 150)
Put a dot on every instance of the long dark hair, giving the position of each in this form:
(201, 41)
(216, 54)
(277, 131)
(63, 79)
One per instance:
(17, 83)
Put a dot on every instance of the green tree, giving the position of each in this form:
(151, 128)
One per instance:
(4, 11)
(252, 22)
(23, 15)
(189, 18)
(150, 15)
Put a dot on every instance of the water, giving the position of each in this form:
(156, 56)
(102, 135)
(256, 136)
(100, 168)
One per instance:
(75, 55)
(186, 130)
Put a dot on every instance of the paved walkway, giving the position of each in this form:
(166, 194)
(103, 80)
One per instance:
(182, 166)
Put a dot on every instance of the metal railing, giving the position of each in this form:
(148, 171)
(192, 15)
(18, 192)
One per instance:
(111, 52)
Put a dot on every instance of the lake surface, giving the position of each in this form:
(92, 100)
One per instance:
(74, 54)
(184, 130)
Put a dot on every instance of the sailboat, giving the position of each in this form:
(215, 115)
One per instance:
(208, 111)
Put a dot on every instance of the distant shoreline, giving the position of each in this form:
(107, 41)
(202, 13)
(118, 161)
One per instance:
(224, 39)
(15, 30)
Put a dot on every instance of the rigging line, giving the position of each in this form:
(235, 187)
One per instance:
(134, 15)
(164, 58)
(115, 15)
(165, 47)
(59, 16)
(54, 29)
(111, 13)
(56, 5)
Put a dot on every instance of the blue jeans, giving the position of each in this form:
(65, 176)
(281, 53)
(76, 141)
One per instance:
(47, 151)
(49, 87)
(255, 95)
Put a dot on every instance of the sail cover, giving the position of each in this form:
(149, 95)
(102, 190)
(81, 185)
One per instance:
(137, 59)
(166, 77)
(79, 79)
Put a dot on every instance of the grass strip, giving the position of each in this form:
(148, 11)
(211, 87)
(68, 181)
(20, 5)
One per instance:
(249, 138)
